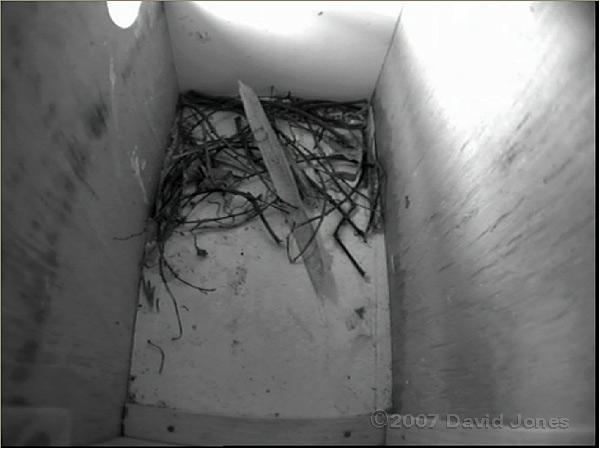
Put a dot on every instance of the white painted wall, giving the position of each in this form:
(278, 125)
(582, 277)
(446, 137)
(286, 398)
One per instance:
(489, 149)
(316, 49)
(86, 112)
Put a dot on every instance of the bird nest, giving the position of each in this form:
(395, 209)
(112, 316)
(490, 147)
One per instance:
(329, 146)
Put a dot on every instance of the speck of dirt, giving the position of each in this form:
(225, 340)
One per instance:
(347, 434)
(69, 185)
(96, 119)
(267, 391)
(170, 429)
(17, 400)
(360, 312)
(48, 117)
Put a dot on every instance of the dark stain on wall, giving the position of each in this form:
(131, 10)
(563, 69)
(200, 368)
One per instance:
(27, 353)
(132, 57)
(508, 157)
(397, 296)
(41, 315)
(38, 439)
(49, 114)
(33, 262)
(13, 180)
(126, 73)
(17, 400)
(13, 174)
(95, 119)
(25, 358)
(78, 156)
(35, 224)
(68, 185)
(146, 21)
(560, 168)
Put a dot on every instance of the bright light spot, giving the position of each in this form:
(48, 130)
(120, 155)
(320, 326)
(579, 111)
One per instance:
(123, 13)
(474, 55)
(289, 17)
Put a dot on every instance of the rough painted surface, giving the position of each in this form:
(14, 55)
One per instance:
(490, 209)
(86, 109)
(330, 50)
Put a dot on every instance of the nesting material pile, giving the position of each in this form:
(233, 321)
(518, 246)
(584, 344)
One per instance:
(329, 148)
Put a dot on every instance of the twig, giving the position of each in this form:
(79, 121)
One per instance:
(162, 356)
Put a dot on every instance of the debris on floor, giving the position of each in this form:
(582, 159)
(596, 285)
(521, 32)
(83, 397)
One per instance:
(327, 146)
(230, 318)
